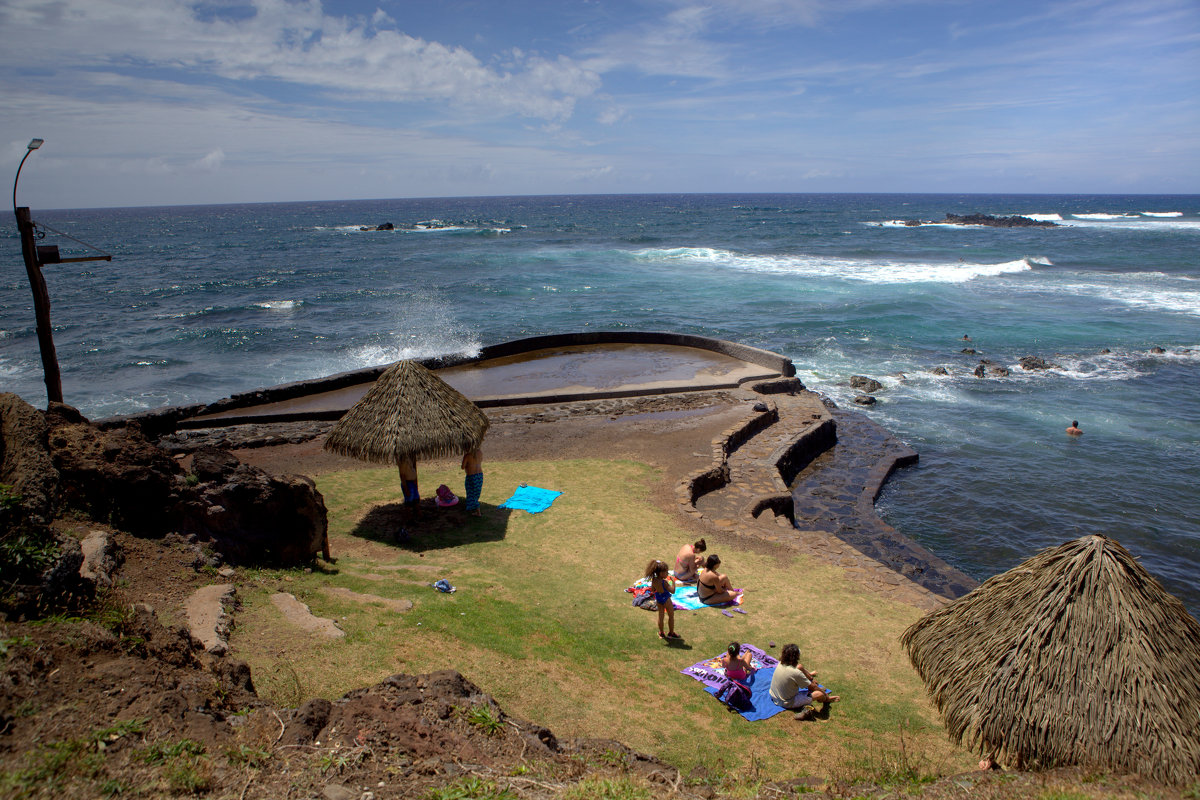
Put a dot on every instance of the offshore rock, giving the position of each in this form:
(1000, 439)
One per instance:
(1036, 363)
(988, 220)
(865, 384)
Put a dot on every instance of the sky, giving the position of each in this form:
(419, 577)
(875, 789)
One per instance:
(173, 102)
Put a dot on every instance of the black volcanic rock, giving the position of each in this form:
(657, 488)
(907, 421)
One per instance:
(865, 384)
(998, 222)
(1014, 221)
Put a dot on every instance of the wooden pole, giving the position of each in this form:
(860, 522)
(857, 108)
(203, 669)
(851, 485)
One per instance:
(41, 306)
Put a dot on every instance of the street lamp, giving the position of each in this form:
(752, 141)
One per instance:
(41, 297)
(35, 258)
(34, 144)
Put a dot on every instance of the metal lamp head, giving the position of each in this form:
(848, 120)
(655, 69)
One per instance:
(34, 144)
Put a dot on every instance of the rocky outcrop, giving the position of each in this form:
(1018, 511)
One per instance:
(1014, 221)
(865, 384)
(115, 476)
(57, 461)
(25, 466)
(252, 516)
(1036, 363)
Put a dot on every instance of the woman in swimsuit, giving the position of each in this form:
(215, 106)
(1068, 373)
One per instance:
(736, 662)
(689, 561)
(663, 586)
(712, 587)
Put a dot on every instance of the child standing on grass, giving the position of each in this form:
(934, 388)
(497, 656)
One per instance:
(662, 586)
(472, 464)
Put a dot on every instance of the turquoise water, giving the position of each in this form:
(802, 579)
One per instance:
(201, 302)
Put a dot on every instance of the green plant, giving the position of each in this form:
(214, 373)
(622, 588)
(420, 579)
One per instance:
(112, 788)
(485, 718)
(191, 479)
(16, 641)
(250, 756)
(340, 759)
(189, 776)
(169, 751)
(470, 788)
(612, 758)
(53, 765)
(592, 788)
(129, 727)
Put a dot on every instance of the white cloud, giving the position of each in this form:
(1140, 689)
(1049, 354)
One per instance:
(292, 41)
(211, 161)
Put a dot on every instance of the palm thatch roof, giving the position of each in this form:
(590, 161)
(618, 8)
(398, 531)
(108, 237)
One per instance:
(408, 412)
(1076, 657)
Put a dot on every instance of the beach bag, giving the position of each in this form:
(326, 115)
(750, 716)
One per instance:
(734, 693)
(445, 497)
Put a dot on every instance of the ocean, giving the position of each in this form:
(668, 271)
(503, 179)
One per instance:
(201, 302)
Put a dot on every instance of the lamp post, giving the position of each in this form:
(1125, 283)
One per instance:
(41, 297)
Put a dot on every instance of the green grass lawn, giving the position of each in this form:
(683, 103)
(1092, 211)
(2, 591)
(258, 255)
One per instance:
(542, 623)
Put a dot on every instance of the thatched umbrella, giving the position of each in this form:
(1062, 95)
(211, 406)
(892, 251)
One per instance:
(1077, 656)
(408, 413)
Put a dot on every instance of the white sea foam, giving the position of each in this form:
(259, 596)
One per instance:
(1162, 213)
(1137, 222)
(425, 326)
(1044, 217)
(1147, 290)
(880, 271)
(280, 305)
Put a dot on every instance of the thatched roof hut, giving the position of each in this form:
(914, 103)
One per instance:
(408, 412)
(1077, 656)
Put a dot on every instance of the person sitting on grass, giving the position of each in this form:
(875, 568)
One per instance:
(712, 587)
(689, 562)
(662, 586)
(736, 662)
(793, 687)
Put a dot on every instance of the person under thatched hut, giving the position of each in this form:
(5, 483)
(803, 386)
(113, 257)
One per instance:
(472, 464)
(408, 483)
(1115, 660)
(407, 415)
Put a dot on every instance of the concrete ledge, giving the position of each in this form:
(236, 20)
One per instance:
(161, 421)
(793, 457)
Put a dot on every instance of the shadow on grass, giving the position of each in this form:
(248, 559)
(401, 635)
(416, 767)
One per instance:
(678, 644)
(431, 528)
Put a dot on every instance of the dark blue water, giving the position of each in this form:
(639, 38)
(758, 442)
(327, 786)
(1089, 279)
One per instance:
(201, 302)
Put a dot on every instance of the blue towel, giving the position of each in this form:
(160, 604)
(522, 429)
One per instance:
(760, 705)
(531, 499)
